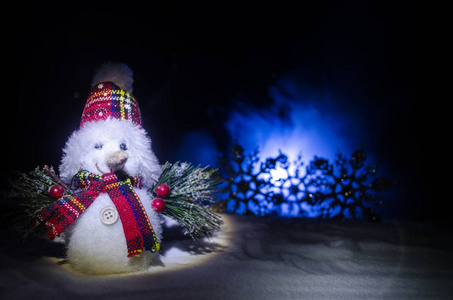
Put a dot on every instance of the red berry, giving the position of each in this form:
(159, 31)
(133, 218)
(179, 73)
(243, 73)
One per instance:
(158, 205)
(163, 190)
(56, 191)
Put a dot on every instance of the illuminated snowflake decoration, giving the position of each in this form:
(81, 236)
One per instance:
(348, 188)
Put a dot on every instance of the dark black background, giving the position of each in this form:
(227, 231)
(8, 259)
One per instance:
(191, 62)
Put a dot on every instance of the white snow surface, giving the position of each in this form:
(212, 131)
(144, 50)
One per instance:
(256, 258)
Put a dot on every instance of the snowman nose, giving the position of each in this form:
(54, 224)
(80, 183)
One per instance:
(116, 160)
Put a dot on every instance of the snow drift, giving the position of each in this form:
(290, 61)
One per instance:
(257, 258)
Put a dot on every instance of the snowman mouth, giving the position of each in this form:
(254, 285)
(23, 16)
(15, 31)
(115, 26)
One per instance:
(97, 167)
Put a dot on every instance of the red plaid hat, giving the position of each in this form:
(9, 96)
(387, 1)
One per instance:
(107, 100)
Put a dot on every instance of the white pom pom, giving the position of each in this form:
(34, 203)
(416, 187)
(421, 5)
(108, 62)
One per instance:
(118, 73)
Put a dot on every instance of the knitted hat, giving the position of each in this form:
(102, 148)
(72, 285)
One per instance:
(108, 100)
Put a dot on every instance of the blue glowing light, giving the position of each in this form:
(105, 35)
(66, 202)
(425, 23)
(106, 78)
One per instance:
(345, 188)
(309, 128)
(298, 123)
(311, 131)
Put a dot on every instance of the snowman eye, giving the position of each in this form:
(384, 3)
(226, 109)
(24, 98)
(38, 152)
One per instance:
(98, 146)
(123, 146)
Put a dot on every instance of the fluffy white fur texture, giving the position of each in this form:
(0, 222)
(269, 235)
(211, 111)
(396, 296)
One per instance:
(118, 73)
(80, 152)
(94, 247)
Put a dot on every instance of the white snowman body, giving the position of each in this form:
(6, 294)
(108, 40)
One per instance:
(95, 241)
(96, 246)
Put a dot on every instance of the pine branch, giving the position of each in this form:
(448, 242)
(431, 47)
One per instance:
(56, 178)
(190, 188)
(26, 197)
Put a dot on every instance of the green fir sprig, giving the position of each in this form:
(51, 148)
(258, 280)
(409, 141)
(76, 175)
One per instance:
(191, 189)
(26, 197)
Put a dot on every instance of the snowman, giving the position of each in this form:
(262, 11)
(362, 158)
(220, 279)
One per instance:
(109, 225)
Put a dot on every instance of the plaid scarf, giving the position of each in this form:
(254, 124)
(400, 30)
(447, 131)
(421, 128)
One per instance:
(136, 225)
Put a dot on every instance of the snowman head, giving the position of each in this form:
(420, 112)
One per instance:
(110, 145)
(110, 137)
